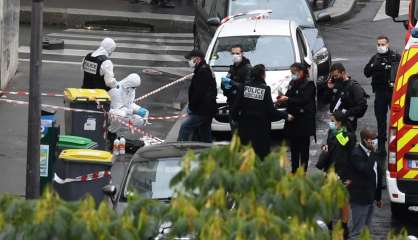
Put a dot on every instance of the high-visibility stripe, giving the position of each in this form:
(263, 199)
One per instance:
(399, 164)
(342, 139)
(411, 174)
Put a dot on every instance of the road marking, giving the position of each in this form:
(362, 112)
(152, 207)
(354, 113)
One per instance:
(164, 69)
(403, 10)
(115, 55)
(135, 39)
(134, 34)
(130, 45)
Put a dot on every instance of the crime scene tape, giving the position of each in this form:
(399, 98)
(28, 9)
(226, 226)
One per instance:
(19, 102)
(164, 87)
(130, 126)
(25, 93)
(85, 178)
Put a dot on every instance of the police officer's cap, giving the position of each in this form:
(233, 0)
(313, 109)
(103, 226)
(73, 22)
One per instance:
(195, 53)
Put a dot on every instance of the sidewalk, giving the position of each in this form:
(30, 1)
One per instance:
(77, 12)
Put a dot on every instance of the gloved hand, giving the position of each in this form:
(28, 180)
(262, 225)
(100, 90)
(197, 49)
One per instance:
(143, 112)
(226, 81)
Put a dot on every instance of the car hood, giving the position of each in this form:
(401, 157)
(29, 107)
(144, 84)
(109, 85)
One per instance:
(314, 38)
(277, 80)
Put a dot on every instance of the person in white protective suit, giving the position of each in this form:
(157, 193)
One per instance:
(98, 68)
(123, 103)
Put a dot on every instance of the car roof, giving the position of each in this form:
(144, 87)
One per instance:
(249, 27)
(169, 150)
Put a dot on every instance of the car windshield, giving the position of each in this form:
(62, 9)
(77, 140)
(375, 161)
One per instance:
(151, 179)
(296, 10)
(275, 52)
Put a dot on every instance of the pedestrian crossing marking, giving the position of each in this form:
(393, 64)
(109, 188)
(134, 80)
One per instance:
(115, 55)
(154, 47)
(136, 34)
(403, 10)
(133, 39)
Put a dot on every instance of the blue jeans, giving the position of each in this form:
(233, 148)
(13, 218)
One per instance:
(196, 128)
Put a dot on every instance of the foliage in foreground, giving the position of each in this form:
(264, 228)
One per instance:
(230, 195)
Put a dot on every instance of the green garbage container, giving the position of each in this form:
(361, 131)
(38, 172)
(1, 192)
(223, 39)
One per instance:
(75, 142)
(87, 124)
(79, 172)
(49, 138)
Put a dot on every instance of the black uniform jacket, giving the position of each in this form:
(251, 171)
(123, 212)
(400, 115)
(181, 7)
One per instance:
(202, 91)
(382, 69)
(242, 73)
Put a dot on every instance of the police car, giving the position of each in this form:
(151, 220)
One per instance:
(275, 43)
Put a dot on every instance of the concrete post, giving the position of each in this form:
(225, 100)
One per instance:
(9, 40)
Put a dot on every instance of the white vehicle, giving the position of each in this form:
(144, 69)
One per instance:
(275, 43)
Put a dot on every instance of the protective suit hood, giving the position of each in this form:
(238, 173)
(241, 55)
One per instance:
(131, 81)
(106, 48)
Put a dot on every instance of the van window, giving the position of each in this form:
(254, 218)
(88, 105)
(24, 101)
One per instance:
(412, 101)
(275, 52)
(296, 10)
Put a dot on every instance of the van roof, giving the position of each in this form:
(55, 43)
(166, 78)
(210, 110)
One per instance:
(249, 27)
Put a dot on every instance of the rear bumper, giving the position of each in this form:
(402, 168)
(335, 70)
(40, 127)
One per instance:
(397, 196)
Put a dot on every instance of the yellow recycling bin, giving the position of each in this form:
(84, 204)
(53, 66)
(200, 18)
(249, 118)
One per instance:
(79, 172)
(92, 123)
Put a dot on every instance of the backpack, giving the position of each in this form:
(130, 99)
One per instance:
(349, 89)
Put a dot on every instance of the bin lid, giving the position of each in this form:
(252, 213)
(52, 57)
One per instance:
(91, 95)
(75, 142)
(86, 155)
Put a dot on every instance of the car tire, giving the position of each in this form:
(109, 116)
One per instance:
(398, 211)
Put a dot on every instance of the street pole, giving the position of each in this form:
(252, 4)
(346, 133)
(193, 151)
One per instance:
(34, 113)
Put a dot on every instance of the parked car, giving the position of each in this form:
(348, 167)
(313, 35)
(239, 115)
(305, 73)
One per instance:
(275, 43)
(150, 172)
(210, 13)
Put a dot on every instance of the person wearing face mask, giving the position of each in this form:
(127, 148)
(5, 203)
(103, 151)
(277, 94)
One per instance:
(202, 101)
(300, 102)
(346, 95)
(239, 72)
(340, 143)
(254, 111)
(98, 68)
(382, 68)
(366, 185)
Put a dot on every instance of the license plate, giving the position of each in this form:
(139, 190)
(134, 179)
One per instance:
(413, 208)
(413, 163)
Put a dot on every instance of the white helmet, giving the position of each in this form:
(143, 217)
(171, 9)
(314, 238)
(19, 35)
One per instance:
(109, 45)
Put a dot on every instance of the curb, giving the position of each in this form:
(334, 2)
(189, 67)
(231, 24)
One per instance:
(72, 17)
(174, 131)
(340, 10)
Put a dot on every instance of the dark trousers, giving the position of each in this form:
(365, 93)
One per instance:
(382, 103)
(196, 128)
(299, 151)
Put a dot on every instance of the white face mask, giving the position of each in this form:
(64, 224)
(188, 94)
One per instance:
(192, 63)
(375, 143)
(294, 77)
(382, 49)
(237, 59)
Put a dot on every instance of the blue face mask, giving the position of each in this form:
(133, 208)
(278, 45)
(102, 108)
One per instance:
(332, 125)
(294, 77)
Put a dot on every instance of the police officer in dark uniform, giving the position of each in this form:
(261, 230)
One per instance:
(254, 111)
(301, 103)
(239, 73)
(382, 69)
(98, 69)
(345, 95)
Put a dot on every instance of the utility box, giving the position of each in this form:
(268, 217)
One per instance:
(79, 172)
(9, 40)
(92, 123)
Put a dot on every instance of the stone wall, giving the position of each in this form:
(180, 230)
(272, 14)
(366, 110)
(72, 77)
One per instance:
(9, 40)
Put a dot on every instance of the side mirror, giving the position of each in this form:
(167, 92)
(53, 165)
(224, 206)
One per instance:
(392, 8)
(308, 61)
(215, 21)
(323, 17)
(109, 190)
